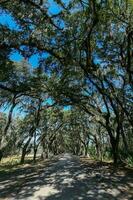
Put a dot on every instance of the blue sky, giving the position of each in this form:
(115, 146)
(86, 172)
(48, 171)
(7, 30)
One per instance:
(8, 20)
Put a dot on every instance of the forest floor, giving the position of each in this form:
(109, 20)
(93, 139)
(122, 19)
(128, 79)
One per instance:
(66, 177)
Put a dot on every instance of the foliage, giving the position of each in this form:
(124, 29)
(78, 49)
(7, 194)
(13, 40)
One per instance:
(87, 65)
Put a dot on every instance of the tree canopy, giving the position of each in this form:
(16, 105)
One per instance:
(79, 97)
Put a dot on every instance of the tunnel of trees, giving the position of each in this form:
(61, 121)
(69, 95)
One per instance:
(78, 98)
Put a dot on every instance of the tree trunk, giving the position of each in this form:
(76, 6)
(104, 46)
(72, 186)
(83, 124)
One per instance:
(115, 144)
(47, 154)
(114, 141)
(124, 140)
(31, 133)
(35, 148)
(10, 115)
(35, 152)
(23, 155)
(7, 125)
(97, 146)
(46, 150)
(24, 150)
(115, 153)
(86, 150)
(1, 154)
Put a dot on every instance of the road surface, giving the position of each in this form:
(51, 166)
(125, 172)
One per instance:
(67, 178)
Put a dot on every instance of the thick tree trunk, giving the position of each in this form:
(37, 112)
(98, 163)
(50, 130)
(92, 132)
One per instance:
(47, 153)
(31, 133)
(97, 146)
(124, 140)
(10, 115)
(77, 150)
(4, 150)
(114, 140)
(1, 154)
(24, 150)
(7, 125)
(115, 152)
(86, 151)
(3, 145)
(35, 152)
(23, 155)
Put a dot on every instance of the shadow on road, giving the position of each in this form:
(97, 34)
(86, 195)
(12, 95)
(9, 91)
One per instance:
(67, 179)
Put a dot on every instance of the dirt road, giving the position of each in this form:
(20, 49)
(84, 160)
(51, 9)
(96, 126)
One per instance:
(67, 178)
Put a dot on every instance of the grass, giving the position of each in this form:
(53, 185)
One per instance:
(108, 163)
(11, 163)
(10, 160)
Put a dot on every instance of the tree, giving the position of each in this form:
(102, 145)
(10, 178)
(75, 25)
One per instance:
(88, 63)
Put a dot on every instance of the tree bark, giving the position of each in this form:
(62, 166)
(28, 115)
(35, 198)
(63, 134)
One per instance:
(86, 150)
(97, 146)
(10, 115)
(35, 152)
(1, 154)
(31, 132)
(24, 150)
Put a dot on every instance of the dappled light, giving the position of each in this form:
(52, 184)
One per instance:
(68, 178)
(66, 99)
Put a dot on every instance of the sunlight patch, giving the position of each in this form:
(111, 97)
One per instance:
(46, 191)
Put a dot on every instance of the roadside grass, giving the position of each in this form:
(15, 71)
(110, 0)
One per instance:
(11, 163)
(108, 163)
(14, 175)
